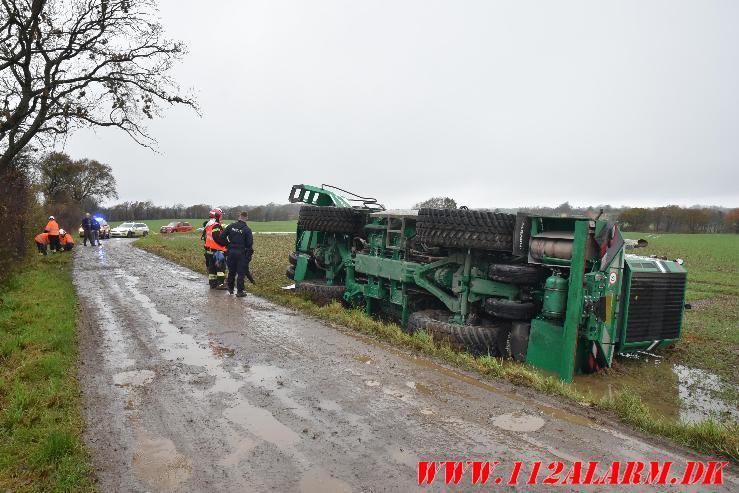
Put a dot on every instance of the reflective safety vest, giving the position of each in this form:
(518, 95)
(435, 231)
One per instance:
(42, 238)
(210, 243)
(52, 227)
(67, 238)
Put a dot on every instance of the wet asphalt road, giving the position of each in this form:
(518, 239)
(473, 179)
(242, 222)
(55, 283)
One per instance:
(188, 389)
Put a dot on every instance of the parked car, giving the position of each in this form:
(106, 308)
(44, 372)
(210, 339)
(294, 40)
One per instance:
(129, 230)
(104, 229)
(176, 227)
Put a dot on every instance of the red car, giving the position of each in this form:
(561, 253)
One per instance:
(176, 227)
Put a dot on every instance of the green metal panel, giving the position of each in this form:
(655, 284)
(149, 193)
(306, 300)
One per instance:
(551, 346)
(493, 288)
(312, 195)
(398, 270)
(635, 264)
(574, 303)
(545, 345)
(301, 267)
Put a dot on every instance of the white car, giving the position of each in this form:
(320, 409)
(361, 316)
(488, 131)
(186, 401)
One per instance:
(129, 230)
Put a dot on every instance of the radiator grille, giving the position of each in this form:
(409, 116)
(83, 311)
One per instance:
(655, 306)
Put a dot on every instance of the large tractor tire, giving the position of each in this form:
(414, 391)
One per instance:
(319, 292)
(290, 272)
(519, 340)
(525, 275)
(511, 310)
(330, 219)
(462, 228)
(478, 339)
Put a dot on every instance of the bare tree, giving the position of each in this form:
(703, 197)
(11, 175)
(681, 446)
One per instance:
(67, 64)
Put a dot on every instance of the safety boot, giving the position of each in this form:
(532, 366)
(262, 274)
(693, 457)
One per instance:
(240, 294)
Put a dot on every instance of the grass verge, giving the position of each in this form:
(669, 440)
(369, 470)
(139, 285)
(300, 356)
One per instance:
(41, 422)
(268, 267)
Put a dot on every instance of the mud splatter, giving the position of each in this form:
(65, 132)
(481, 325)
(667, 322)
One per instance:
(221, 351)
(518, 422)
(362, 358)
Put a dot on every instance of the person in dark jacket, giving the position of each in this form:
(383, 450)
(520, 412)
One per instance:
(239, 242)
(95, 232)
(87, 228)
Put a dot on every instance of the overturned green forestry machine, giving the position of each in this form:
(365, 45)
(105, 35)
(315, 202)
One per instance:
(559, 293)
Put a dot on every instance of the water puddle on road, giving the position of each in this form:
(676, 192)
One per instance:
(181, 347)
(404, 457)
(674, 391)
(317, 480)
(157, 463)
(240, 447)
(262, 424)
(419, 387)
(136, 378)
(518, 422)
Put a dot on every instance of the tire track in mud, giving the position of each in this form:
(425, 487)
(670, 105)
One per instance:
(189, 389)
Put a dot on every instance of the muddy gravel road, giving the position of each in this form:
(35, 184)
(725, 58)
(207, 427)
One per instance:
(188, 389)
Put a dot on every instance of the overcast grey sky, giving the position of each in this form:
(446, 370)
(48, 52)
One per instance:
(495, 103)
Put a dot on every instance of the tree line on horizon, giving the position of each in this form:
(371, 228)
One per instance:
(667, 219)
(147, 210)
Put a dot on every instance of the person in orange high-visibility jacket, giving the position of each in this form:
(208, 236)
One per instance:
(42, 240)
(52, 227)
(66, 240)
(216, 268)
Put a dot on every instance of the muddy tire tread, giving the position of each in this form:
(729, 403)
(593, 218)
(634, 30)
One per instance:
(461, 228)
(521, 274)
(330, 219)
(319, 292)
(483, 339)
(519, 340)
(511, 310)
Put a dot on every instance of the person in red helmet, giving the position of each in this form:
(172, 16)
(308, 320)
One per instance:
(206, 223)
(214, 252)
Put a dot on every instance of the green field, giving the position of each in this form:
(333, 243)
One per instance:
(269, 226)
(711, 329)
(40, 411)
(638, 392)
(710, 339)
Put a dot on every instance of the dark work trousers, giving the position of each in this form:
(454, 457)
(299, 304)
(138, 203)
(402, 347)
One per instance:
(237, 265)
(216, 274)
(88, 237)
(41, 247)
(54, 243)
(95, 237)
